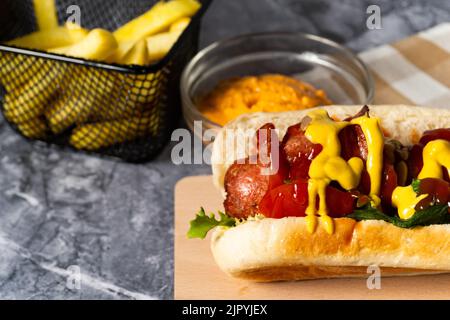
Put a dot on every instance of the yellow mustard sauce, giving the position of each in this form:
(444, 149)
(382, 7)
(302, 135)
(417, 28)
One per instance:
(375, 145)
(330, 166)
(436, 155)
(265, 93)
(406, 199)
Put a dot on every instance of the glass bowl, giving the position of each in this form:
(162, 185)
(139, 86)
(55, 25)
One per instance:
(319, 61)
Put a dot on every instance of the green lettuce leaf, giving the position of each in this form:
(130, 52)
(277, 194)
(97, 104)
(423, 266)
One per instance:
(416, 185)
(202, 224)
(437, 214)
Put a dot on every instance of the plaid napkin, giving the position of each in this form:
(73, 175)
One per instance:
(414, 71)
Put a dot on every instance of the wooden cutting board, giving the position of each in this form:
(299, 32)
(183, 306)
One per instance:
(198, 277)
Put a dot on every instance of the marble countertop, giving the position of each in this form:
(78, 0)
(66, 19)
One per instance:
(64, 215)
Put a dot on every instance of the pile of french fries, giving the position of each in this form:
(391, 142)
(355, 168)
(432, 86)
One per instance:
(38, 106)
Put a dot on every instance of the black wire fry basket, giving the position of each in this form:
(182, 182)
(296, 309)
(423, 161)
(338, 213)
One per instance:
(124, 111)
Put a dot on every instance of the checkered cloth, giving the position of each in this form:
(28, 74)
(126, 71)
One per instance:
(414, 71)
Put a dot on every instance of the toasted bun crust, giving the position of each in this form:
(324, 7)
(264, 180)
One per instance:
(282, 249)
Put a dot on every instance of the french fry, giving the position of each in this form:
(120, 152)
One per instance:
(157, 19)
(113, 101)
(69, 108)
(138, 55)
(30, 100)
(34, 129)
(159, 45)
(27, 103)
(45, 12)
(73, 26)
(10, 68)
(21, 110)
(105, 103)
(122, 50)
(97, 45)
(100, 135)
(52, 38)
(65, 112)
(126, 46)
(144, 89)
(180, 25)
(105, 113)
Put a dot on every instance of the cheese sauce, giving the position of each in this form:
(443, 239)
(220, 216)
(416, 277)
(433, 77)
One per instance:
(330, 166)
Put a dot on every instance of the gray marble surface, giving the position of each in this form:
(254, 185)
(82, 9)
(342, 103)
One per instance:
(114, 221)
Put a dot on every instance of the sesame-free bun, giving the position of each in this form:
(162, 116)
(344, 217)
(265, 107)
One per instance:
(282, 249)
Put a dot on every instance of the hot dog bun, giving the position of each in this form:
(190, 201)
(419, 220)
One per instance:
(282, 249)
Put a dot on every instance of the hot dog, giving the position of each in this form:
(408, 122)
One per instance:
(355, 186)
